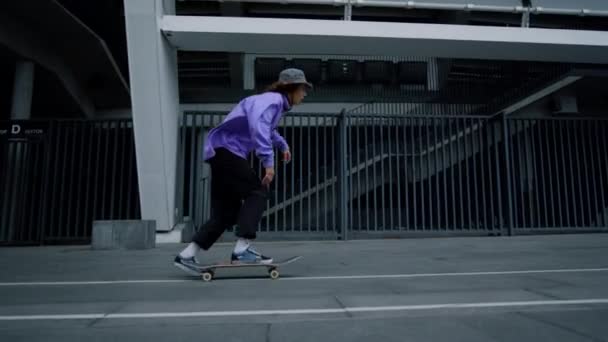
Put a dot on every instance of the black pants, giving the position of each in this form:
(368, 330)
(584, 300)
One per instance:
(237, 197)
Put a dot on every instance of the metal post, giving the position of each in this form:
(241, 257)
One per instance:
(525, 18)
(506, 139)
(348, 10)
(342, 174)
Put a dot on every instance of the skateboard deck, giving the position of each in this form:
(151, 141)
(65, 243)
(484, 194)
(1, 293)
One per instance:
(208, 271)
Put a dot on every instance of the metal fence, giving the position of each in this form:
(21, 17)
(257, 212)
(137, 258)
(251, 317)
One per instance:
(370, 175)
(559, 174)
(56, 177)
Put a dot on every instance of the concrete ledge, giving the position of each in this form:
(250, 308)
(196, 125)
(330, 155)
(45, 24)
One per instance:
(126, 234)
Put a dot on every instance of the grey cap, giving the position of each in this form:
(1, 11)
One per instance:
(293, 76)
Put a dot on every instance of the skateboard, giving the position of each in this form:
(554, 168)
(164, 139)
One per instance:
(208, 271)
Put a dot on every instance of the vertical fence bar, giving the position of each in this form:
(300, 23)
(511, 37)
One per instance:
(391, 183)
(301, 175)
(490, 125)
(105, 170)
(526, 148)
(452, 166)
(292, 179)
(604, 162)
(574, 125)
(343, 159)
(81, 170)
(382, 174)
(350, 121)
(475, 180)
(374, 179)
(358, 170)
(482, 152)
(522, 159)
(366, 177)
(4, 184)
(284, 185)
(594, 187)
(398, 162)
(318, 184)
(42, 201)
(96, 180)
(467, 172)
(506, 141)
(564, 177)
(414, 123)
(36, 162)
(572, 176)
(309, 173)
(536, 211)
(541, 138)
(429, 175)
(460, 178)
(192, 198)
(421, 147)
(438, 145)
(407, 123)
(497, 130)
(20, 193)
(580, 194)
(584, 140)
(598, 144)
(444, 169)
(57, 180)
(560, 172)
(382, 180)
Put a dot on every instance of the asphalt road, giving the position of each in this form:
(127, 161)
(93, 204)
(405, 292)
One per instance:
(528, 288)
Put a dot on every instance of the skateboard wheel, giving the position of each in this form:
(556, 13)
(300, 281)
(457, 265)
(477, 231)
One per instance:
(207, 276)
(274, 274)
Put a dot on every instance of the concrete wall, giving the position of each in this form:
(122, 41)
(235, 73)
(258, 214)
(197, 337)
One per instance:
(155, 106)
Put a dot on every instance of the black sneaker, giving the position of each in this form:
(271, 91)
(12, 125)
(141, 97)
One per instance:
(189, 265)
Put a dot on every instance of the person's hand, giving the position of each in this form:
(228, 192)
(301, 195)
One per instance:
(286, 156)
(268, 177)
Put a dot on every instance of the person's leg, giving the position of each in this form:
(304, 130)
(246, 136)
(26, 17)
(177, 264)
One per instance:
(251, 213)
(225, 206)
(255, 196)
(223, 216)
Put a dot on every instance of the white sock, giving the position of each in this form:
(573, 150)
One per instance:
(190, 251)
(241, 245)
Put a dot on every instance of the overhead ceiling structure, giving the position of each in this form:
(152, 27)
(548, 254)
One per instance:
(298, 36)
(52, 37)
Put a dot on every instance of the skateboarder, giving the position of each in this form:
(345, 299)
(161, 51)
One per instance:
(238, 196)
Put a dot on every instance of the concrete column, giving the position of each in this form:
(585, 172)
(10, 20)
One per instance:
(155, 105)
(23, 90)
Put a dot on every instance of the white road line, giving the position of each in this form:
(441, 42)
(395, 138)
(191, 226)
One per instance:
(97, 282)
(350, 277)
(362, 309)
(453, 274)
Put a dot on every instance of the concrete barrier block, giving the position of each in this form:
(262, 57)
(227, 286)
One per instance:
(187, 230)
(124, 234)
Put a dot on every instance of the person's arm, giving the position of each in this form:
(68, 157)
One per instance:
(261, 134)
(278, 141)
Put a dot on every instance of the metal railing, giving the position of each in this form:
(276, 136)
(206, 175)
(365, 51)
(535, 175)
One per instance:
(372, 175)
(57, 176)
(448, 6)
(559, 174)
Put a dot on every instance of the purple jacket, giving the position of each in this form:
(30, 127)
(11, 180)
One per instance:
(251, 126)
